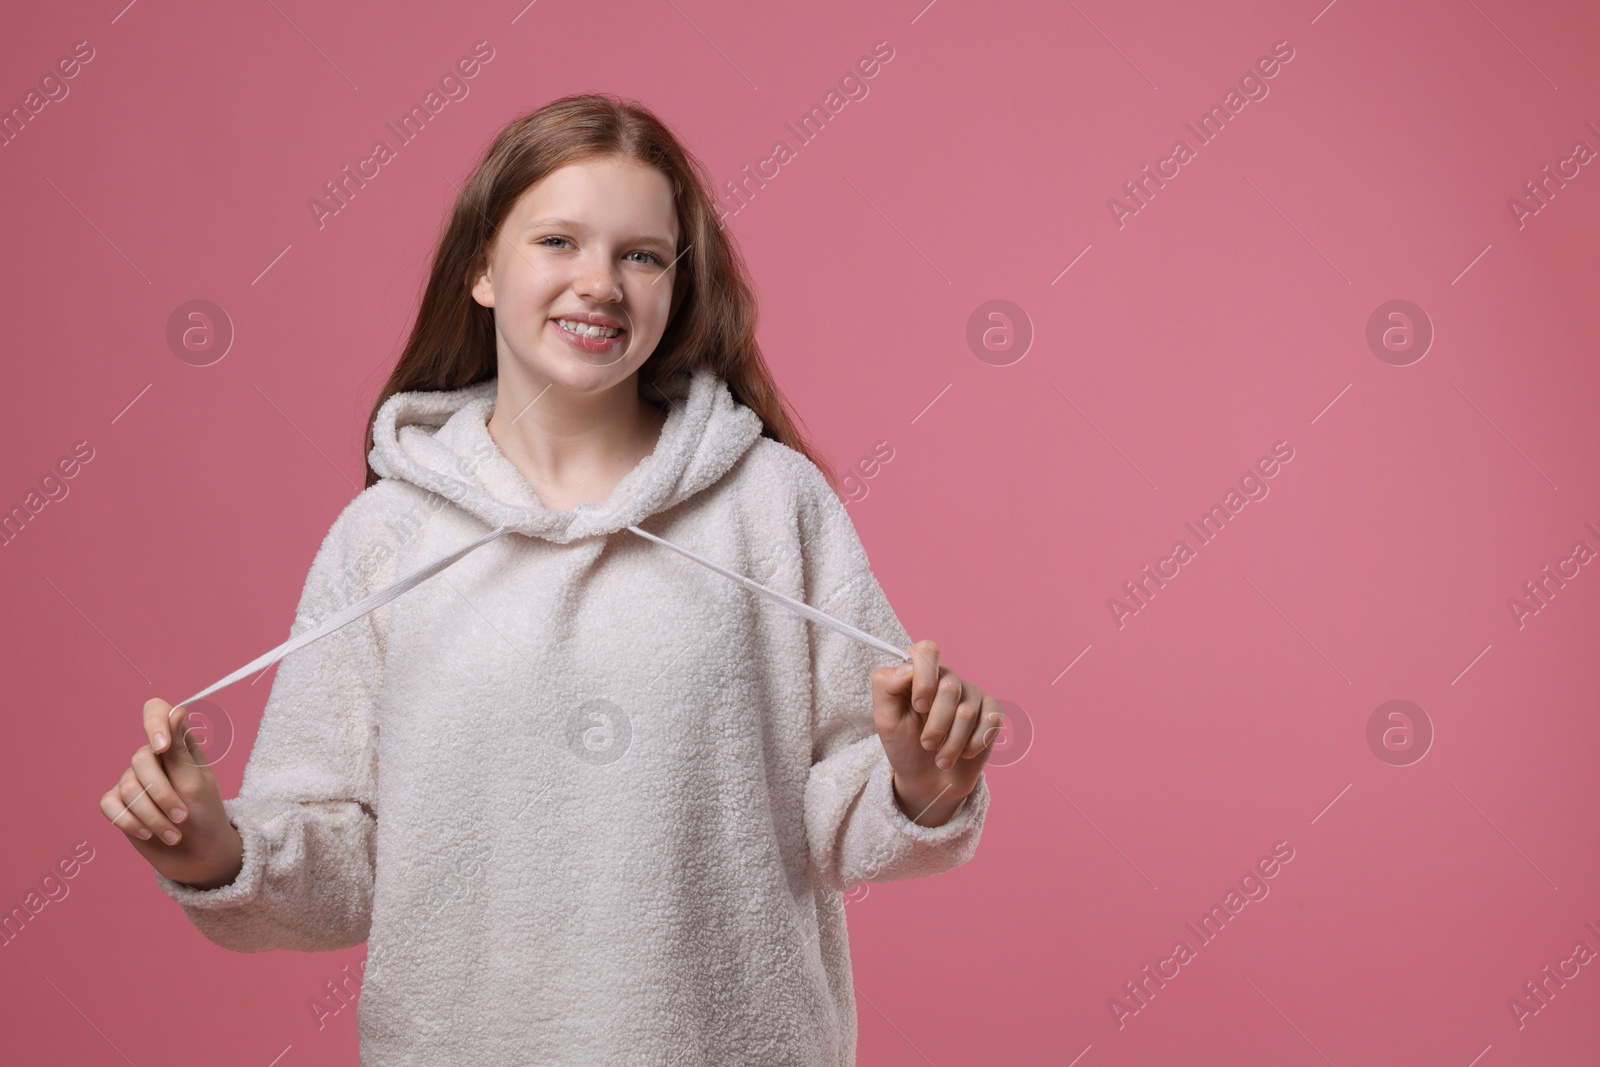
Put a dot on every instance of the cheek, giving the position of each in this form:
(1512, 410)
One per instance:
(530, 302)
(649, 306)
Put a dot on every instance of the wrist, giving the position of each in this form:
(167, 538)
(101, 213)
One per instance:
(230, 870)
(929, 806)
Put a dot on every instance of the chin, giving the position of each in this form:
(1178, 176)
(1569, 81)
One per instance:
(571, 372)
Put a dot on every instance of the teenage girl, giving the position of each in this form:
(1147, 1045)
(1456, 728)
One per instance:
(585, 800)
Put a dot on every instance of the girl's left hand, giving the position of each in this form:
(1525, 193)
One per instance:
(937, 729)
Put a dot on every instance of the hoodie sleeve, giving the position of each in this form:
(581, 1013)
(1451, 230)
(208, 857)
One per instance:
(306, 808)
(856, 831)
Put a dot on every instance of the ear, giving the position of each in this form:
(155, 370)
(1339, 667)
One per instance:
(481, 288)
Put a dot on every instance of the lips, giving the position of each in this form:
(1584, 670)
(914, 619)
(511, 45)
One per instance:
(586, 318)
(590, 332)
(586, 329)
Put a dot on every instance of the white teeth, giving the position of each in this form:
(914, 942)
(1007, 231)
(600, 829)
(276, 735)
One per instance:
(583, 329)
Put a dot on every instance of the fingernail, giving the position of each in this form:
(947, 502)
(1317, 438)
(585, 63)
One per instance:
(930, 742)
(943, 761)
(178, 815)
(902, 670)
(161, 741)
(143, 833)
(170, 837)
(921, 704)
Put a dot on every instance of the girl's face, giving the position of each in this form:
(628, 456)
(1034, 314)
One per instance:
(594, 243)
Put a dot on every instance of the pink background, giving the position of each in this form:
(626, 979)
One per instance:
(1229, 313)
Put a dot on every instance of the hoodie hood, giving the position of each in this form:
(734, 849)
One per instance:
(439, 441)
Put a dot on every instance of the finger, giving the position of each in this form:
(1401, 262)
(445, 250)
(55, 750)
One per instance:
(943, 713)
(889, 688)
(924, 656)
(962, 727)
(144, 810)
(147, 765)
(165, 776)
(988, 730)
(120, 816)
(186, 753)
(893, 679)
(130, 793)
(160, 722)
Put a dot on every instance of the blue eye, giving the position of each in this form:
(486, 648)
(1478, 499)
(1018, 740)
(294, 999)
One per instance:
(651, 257)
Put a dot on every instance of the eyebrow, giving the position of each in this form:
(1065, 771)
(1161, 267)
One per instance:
(574, 224)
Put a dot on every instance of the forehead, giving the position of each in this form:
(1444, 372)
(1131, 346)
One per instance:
(610, 194)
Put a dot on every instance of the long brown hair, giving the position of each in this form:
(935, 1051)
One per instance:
(712, 322)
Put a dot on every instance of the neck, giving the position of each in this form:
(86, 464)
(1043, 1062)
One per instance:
(570, 444)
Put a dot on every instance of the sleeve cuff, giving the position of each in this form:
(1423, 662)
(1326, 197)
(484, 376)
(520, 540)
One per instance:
(244, 887)
(880, 787)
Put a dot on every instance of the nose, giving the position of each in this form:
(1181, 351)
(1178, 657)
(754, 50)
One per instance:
(597, 280)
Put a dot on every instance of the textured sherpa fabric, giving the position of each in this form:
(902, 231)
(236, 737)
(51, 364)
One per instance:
(587, 801)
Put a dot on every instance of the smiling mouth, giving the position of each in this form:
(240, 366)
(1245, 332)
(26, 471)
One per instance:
(597, 338)
(584, 329)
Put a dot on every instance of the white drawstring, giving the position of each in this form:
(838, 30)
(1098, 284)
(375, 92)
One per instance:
(354, 611)
(342, 617)
(789, 602)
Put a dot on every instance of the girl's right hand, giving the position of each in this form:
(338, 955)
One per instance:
(168, 806)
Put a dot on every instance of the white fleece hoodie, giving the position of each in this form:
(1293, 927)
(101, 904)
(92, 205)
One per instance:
(587, 801)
